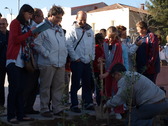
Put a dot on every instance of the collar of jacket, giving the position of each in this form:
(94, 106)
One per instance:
(107, 41)
(86, 27)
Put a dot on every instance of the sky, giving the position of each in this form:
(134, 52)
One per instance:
(13, 4)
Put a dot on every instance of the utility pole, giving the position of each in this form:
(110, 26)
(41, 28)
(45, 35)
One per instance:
(10, 11)
(18, 6)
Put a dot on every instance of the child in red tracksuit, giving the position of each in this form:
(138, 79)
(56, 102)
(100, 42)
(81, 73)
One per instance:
(99, 53)
(113, 54)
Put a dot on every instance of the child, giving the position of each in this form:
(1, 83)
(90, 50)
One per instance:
(113, 54)
(99, 38)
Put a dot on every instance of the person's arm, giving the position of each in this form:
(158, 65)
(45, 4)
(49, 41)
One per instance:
(39, 45)
(93, 48)
(125, 55)
(117, 56)
(119, 98)
(70, 39)
(15, 31)
(2, 43)
(153, 50)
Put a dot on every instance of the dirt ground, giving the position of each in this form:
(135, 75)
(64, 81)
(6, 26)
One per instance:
(88, 120)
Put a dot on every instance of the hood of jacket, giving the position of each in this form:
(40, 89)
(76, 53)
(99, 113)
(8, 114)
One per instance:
(86, 27)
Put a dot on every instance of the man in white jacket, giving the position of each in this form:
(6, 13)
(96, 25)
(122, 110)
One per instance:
(81, 48)
(51, 46)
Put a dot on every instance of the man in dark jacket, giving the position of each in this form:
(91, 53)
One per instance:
(4, 33)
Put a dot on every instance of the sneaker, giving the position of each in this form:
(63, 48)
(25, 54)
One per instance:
(2, 109)
(32, 112)
(89, 107)
(46, 114)
(13, 121)
(61, 113)
(118, 116)
(75, 109)
(112, 113)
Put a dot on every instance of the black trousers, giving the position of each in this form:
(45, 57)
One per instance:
(31, 89)
(15, 95)
(2, 82)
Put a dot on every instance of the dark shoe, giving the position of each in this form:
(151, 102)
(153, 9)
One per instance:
(13, 121)
(89, 107)
(26, 119)
(61, 113)
(47, 114)
(2, 107)
(32, 112)
(75, 109)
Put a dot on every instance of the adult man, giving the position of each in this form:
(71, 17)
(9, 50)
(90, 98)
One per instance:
(31, 84)
(81, 48)
(37, 17)
(148, 100)
(51, 46)
(4, 33)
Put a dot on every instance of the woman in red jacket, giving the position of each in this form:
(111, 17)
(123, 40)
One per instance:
(19, 33)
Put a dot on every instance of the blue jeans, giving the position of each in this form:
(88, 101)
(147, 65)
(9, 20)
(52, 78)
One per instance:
(81, 72)
(15, 105)
(143, 116)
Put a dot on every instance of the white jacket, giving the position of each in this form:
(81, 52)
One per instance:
(85, 50)
(51, 46)
(145, 91)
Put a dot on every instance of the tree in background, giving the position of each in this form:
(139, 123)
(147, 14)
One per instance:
(158, 19)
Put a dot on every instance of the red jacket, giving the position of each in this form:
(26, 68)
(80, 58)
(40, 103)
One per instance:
(16, 39)
(98, 53)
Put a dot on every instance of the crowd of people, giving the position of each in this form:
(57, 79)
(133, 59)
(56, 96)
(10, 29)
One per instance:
(59, 52)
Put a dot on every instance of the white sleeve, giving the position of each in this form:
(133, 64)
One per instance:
(118, 99)
(39, 45)
(70, 39)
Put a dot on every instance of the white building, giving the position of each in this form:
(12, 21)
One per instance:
(112, 15)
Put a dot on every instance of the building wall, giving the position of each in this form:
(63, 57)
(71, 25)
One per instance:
(105, 19)
(134, 17)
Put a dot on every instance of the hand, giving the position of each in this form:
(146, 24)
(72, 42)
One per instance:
(102, 76)
(105, 108)
(35, 35)
(138, 43)
(78, 60)
(33, 28)
(100, 59)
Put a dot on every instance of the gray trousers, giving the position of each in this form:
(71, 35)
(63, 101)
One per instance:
(51, 83)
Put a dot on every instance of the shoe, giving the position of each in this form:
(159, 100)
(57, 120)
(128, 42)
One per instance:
(47, 114)
(32, 112)
(25, 118)
(13, 121)
(118, 116)
(89, 107)
(75, 109)
(2, 108)
(61, 113)
(67, 104)
(112, 113)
